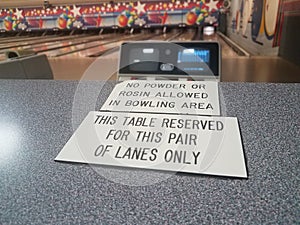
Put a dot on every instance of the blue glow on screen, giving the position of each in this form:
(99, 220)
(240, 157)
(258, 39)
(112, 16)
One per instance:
(193, 56)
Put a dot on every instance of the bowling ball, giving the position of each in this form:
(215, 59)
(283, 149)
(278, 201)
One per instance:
(8, 25)
(191, 18)
(123, 20)
(62, 23)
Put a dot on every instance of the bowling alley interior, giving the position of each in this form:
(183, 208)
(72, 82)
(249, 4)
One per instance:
(63, 40)
(149, 112)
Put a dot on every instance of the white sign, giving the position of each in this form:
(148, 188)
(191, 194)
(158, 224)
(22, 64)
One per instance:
(177, 97)
(185, 143)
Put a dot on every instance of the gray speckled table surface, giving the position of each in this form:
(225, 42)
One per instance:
(38, 117)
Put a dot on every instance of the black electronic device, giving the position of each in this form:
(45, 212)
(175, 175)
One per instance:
(195, 59)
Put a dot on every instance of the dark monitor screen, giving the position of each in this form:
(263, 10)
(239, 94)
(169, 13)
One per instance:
(173, 58)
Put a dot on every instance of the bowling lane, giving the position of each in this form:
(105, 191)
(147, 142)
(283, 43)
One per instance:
(100, 50)
(156, 37)
(176, 35)
(20, 39)
(42, 40)
(46, 44)
(70, 50)
(46, 47)
(226, 50)
(187, 35)
(165, 36)
(100, 47)
(111, 54)
(95, 45)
